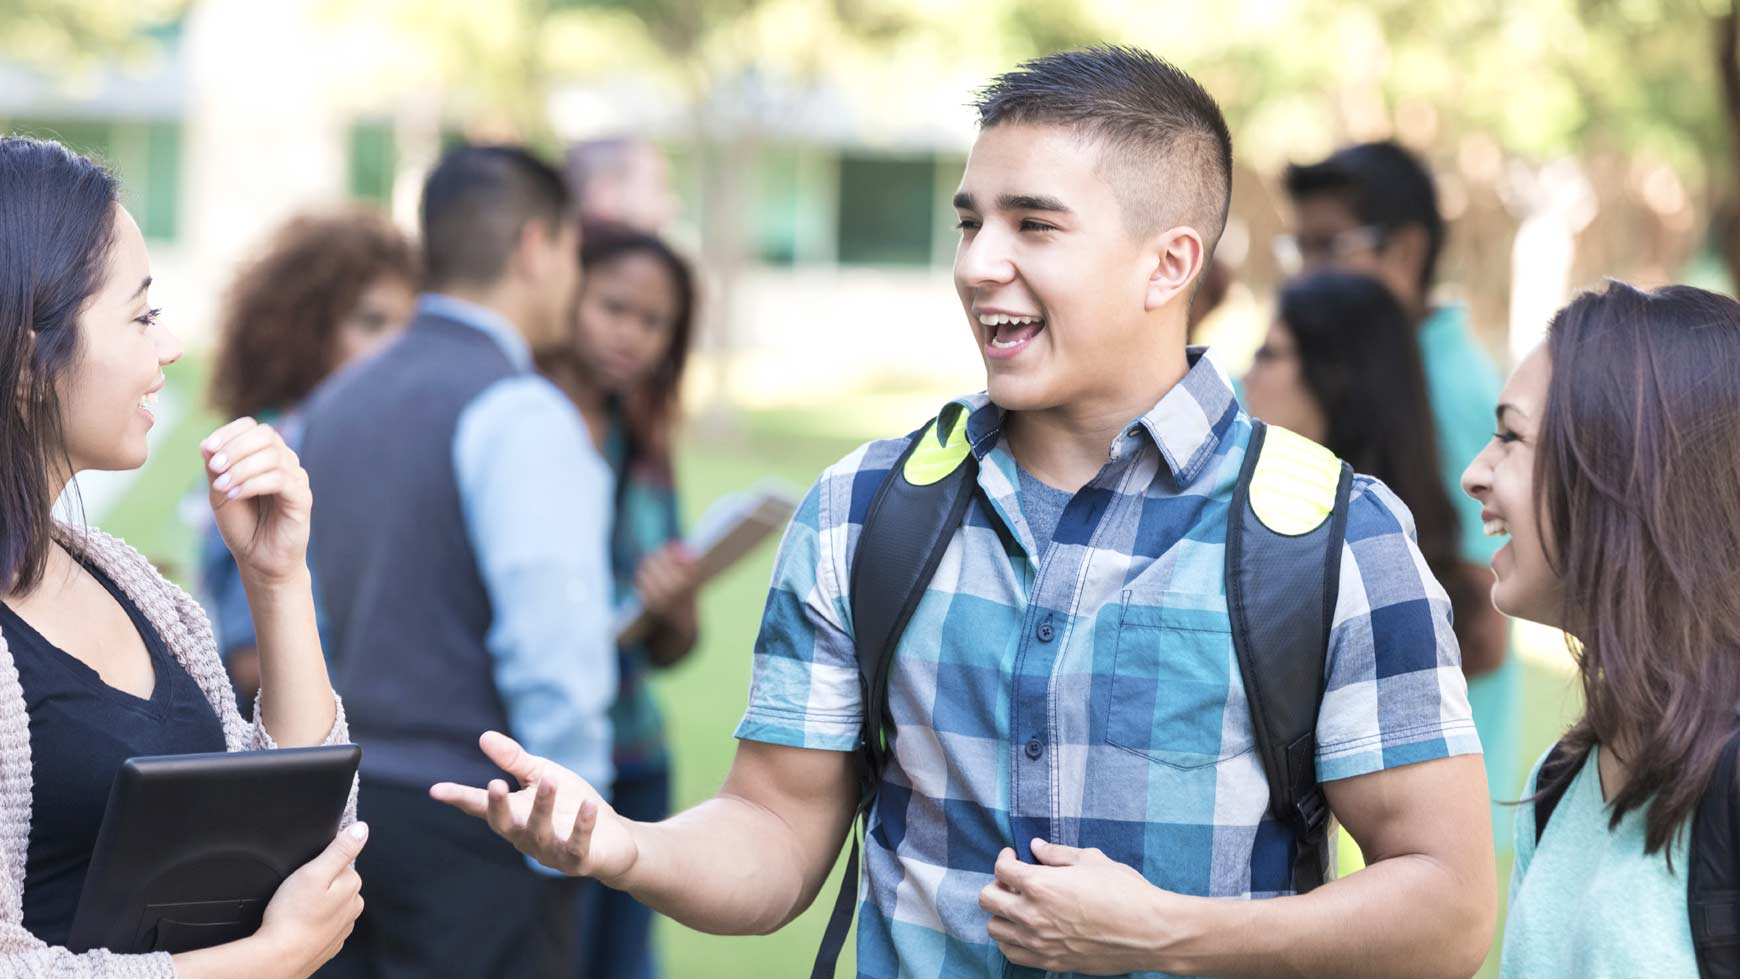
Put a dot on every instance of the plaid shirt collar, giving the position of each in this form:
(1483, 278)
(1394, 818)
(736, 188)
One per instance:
(1186, 425)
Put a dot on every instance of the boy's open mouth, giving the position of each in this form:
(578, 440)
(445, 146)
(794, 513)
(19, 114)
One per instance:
(1008, 332)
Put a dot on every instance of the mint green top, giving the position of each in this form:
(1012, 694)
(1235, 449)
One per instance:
(1589, 903)
(1463, 387)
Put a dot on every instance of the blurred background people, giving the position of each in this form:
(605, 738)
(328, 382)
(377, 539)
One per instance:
(1373, 208)
(462, 551)
(622, 180)
(624, 369)
(1340, 367)
(325, 290)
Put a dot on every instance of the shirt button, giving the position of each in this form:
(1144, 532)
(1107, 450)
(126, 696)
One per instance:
(1045, 632)
(1034, 748)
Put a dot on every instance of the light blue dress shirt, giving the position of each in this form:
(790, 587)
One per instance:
(536, 498)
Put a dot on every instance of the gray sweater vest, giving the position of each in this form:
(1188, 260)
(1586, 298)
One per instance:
(406, 606)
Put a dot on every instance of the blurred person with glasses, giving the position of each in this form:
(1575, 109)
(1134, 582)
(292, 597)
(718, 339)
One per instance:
(1373, 208)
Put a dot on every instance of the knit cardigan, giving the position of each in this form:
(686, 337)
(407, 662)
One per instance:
(186, 631)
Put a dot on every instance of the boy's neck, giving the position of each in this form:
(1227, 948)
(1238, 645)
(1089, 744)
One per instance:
(1066, 446)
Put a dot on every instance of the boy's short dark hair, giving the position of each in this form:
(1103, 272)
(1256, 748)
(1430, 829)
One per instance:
(475, 204)
(1386, 187)
(1167, 146)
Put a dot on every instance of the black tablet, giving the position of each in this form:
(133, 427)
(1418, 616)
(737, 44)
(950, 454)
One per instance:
(192, 847)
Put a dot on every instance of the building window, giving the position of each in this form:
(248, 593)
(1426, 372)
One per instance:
(374, 160)
(886, 209)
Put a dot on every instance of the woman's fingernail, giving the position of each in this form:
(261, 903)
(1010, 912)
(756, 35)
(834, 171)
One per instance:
(359, 830)
(220, 462)
(232, 494)
(221, 483)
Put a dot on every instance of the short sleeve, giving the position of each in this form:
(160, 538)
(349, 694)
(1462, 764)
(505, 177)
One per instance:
(1394, 693)
(803, 691)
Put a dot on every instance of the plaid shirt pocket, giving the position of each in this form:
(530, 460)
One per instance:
(1173, 674)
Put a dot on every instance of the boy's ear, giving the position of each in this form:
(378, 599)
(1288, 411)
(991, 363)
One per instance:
(1178, 259)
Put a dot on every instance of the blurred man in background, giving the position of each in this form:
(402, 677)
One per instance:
(622, 180)
(461, 548)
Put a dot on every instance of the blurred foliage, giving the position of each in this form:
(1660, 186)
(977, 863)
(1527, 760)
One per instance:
(1541, 78)
(62, 34)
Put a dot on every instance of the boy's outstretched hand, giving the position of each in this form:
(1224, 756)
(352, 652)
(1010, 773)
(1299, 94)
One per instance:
(556, 817)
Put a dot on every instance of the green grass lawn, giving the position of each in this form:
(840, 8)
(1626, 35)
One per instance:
(704, 698)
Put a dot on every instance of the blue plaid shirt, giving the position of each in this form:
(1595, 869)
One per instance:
(1091, 698)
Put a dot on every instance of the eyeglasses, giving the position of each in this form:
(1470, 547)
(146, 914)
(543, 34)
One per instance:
(1295, 253)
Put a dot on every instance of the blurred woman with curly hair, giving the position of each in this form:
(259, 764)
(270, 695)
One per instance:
(325, 291)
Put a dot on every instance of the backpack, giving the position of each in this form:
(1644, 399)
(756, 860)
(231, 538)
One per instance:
(1713, 856)
(1283, 566)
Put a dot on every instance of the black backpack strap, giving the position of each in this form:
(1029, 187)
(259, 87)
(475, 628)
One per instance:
(907, 527)
(1713, 880)
(1550, 785)
(1283, 572)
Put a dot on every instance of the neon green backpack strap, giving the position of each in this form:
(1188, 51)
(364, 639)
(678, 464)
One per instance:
(1284, 537)
(1293, 488)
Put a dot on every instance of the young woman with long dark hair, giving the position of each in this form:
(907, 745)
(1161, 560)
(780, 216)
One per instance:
(1615, 472)
(632, 331)
(101, 658)
(1341, 367)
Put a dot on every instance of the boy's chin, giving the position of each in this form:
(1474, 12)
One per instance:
(1020, 393)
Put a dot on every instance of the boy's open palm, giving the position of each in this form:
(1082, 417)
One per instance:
(556, 817)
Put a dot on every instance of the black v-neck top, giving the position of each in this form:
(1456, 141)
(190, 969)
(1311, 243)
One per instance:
(81, 731)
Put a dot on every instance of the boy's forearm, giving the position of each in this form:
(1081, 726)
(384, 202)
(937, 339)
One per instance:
(726, 867)
(1406, 916)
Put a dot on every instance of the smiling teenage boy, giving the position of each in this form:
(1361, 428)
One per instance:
(1073, 775)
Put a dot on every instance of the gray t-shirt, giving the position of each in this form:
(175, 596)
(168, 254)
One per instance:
(1042, 505)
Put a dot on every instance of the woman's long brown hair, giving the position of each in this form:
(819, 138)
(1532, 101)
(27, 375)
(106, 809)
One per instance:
(1638, 470)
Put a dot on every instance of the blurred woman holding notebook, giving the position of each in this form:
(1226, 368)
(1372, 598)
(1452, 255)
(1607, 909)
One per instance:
(632, 332)
(101, 658)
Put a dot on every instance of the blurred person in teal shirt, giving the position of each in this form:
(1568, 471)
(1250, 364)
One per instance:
(623, 370)
(1373, 208)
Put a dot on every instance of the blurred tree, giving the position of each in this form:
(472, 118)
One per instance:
(1643, 94)
(63, 34)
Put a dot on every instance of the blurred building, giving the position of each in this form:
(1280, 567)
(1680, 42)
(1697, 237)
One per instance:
(846, 228)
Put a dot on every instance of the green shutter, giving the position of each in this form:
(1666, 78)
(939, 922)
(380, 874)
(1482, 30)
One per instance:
(886, 205)
(374, 160)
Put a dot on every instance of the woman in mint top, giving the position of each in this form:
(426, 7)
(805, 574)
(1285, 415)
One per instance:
(1615, 473)
(633, 326)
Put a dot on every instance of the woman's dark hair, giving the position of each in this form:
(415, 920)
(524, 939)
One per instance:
(1637, 476)
(278, 330)
(57, 221)
(1359, 355)
(651, 410)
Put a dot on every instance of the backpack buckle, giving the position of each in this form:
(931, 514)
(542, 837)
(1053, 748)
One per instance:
(1312, 810)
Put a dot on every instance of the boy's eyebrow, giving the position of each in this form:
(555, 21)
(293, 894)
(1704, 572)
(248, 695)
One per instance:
(1031, 202)
(1015, 202)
